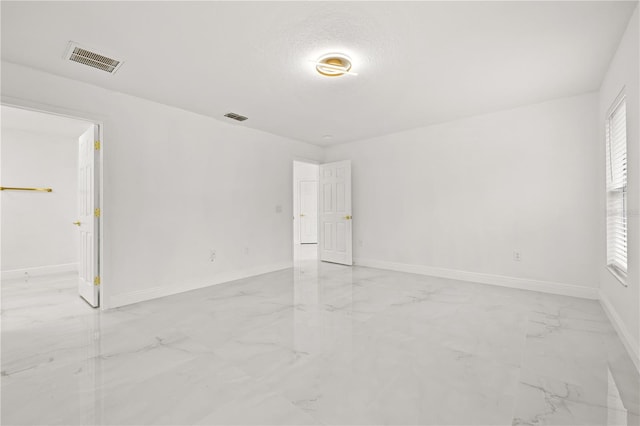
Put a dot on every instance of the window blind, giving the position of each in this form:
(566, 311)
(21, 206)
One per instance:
(616, 135)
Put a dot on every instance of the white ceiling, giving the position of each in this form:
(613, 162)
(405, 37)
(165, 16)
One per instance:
(37, 122)
(418, 62)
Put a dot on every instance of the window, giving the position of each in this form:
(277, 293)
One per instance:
(616, 135)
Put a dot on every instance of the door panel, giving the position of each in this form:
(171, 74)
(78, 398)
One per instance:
(335, 213)
(328, 236)
(308, 212)
(341, 233)
(340, 201)
(87, 203)
(328, 197)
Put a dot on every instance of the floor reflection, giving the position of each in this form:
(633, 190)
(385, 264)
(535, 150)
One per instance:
(316, 344)
(616, 413)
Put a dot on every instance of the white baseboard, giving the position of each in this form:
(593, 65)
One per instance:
(156, 292)
(40, 270)
(627, 340)
(477, 277)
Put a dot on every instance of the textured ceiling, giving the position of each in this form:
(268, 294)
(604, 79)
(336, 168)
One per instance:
(418, 62)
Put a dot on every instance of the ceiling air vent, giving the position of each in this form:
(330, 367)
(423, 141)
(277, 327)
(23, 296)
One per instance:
(235, 116)
(84, 56)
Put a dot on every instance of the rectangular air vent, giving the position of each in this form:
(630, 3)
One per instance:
(84, 56)
(235, 116)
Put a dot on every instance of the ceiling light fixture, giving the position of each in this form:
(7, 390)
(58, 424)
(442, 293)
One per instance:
(334, 65)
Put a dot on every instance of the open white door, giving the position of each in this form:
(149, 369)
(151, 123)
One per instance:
(335, 213)
(308, 212)
(88, 216)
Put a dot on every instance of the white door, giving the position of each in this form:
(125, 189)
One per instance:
(335, 212)
(88, 216)
(308, 212)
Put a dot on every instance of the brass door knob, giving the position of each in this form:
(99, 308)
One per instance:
(77, 223)
(301, 215)
(348, 217)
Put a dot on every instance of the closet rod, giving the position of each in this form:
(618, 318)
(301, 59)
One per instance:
(7, 188)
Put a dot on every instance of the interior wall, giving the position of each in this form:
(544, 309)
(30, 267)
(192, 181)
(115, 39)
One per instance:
(37, 229)
(465, 195)
(623, 72)
(301, 172)
(177, 187)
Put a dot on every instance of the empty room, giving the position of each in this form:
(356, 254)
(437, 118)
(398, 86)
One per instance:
(320, 213)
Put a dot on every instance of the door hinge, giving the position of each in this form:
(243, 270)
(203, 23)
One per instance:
(96, 144)
(96, 212)
(96, 280)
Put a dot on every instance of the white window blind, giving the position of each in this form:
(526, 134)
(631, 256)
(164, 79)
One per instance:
(616, 135)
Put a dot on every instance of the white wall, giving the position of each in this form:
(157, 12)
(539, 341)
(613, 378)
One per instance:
(176, 186)
(464, 195)
(37, 229)
(623, 73)
(301, 171)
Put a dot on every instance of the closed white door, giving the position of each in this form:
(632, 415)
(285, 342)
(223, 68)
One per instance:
(335, 213)
(88, 216)
(308, 212)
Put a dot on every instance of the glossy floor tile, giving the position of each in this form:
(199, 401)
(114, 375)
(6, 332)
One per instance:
(316, 344)
(305, 251)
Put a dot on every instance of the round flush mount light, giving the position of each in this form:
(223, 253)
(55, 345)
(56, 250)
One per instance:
(334, 65)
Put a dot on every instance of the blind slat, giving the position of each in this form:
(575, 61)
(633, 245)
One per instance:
(616, 186)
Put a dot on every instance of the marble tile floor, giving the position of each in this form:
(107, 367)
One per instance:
(316, 344)
(303, 252)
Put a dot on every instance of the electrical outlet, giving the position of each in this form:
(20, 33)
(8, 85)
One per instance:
(246, 251)
(517, 256)
(278, 208)
(212, 256)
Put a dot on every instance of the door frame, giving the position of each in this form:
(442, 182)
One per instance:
(293, 197)
(99, 121)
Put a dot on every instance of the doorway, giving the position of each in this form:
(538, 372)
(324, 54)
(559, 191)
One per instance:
(305, 210)
(47, 182)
